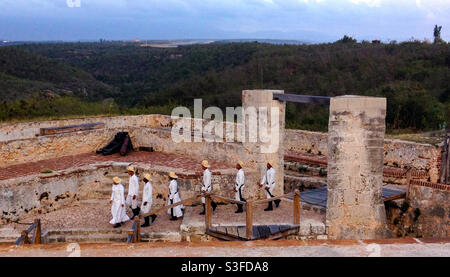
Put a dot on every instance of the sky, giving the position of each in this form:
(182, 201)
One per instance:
(304, 20)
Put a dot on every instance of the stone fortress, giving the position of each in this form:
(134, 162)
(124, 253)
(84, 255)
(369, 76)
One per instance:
(59, 178)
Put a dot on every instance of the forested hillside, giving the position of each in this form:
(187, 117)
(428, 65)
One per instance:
(414, 76)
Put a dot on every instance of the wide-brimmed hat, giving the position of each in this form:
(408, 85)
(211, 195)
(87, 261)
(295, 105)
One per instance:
(116, 180)
(131, 168)
(270, 162)
(205, 163)
(147, 176)
(173, 175)
(241, 163)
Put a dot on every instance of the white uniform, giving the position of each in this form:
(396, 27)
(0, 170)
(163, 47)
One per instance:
(147, 196)
(118, 199)
(239, 185)
(206, 182)
(174, 197)
(269, 181)
(133, 189)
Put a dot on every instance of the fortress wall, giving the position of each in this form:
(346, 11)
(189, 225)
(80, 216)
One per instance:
(397, 153)
(29, 130)
(19, 142)
(42, 193)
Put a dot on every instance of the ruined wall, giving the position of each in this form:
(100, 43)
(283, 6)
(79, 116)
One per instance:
(28, 130)
(397, 153)
(43, 193)
(433, 202)
(19, 142)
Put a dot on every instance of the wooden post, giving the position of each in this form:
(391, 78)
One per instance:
(37, 232)
(249, 219)
(444, 154)
(131, 234)
(447, 169)
(208, 212)
(408, 181)
(297, 207)
(138, 230)
(25, 237)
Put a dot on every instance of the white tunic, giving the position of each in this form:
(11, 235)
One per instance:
(118, 199)
(240, 184)
(133, 189)
(147, 196)
(174, 197)
(206, 182)
(269, 181)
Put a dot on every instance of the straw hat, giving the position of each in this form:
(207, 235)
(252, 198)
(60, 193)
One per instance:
(205, 163)
(172, 175)
(241, 163)
(131, 168)
(147, 176)
(116, 180)
(270, 162)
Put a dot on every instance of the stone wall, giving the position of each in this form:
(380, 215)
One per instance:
(40, 193)
(20, 142)
(43, 193)
(397, 153)
(434, 206)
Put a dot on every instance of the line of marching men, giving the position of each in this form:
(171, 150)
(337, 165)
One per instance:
(119, 203)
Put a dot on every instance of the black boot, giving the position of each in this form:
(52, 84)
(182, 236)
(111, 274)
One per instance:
(174, 218)
(214, 205)
(203, 212)
(153, 217)
(269, 207)
(117, 225)
(239, 210)
(136, 212)
(147, 222)
(277, 202)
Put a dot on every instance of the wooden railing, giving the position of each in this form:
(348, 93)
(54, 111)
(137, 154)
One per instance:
(134, 235)
(249, 209)
(36, 239)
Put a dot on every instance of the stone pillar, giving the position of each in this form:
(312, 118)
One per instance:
(355, 209)
(268, 148)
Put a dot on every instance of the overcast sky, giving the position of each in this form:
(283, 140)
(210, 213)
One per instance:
(305, 20)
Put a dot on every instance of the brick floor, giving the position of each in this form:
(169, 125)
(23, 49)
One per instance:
(153, 158)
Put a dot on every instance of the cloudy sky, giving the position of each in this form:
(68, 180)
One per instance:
(305, 20)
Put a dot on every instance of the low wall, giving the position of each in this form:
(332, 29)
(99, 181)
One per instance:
(43, 193)
(433, 202)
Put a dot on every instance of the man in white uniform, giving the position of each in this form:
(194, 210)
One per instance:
(118, 204)
(174, 197)
(206, 187)
(133, 192)
(147, 200)
(268, 182)
(239, 185)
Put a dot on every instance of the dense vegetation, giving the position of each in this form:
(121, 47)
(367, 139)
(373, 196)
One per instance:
(414, 76)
